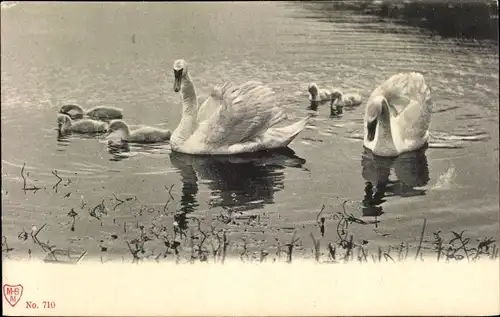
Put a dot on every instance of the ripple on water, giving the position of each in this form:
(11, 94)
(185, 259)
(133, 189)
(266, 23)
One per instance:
(355, 53)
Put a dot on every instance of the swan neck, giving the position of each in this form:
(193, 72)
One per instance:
(187, 125)
(384, 134)
(189, 98)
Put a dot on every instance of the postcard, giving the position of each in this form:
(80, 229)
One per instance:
(250, 158)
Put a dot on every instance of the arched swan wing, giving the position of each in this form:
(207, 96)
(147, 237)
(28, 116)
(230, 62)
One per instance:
(401, 89)
(210, 106)
(245, 111)
(415, 117)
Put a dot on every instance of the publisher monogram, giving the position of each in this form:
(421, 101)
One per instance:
(13, 293)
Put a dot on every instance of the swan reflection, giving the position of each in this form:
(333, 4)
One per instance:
(410, 169)
(241, 182)
(62, 140)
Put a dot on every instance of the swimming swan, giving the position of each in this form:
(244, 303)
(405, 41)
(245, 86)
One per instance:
(100, 113)
(234, 119)
(65, 124)
(341, 100)
(318, 96)
(335, 96)
(141, 135)
(397, 115)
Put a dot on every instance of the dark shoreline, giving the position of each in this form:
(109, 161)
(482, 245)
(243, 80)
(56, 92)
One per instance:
(456, 19)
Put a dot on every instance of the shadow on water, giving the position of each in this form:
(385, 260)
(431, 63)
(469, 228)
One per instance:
(410, 169)
(459, 19)
(242, 182)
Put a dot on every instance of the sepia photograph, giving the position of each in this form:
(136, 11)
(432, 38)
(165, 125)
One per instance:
(142, 137)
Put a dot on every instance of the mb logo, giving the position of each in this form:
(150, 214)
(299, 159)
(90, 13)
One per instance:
(12, 293)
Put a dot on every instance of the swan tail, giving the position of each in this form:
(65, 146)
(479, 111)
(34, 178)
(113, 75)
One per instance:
(278, 116)
(288, 133)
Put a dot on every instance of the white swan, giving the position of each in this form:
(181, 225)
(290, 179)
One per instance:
(397, 115)
(65, 125)
(234, 119)
(100, 112)
(141, 135)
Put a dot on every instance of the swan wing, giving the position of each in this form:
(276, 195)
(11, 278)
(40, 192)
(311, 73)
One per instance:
(413, 122)
(409, 97)
(149, 135)
(245, 111)
(89, 126)
(102, 112)
(402, 88)
(210, 106)
(394, 90)
(410, 105)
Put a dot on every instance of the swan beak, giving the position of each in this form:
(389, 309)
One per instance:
(177, 84)
(177, 80)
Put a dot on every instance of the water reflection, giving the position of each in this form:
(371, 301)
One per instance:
(118, 151)
(64, 139)
(242, 182)
(410, 169)
(123, 150)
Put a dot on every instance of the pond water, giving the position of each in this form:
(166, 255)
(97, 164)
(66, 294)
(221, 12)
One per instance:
(122, 55)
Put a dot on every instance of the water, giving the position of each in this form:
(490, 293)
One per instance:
(122, 55)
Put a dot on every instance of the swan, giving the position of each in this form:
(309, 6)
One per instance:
(318, 96)
(335, 96)
(234, 119)
(141, 135)
(341, 100)
(100, 112)
(65, 124)
(397, 115)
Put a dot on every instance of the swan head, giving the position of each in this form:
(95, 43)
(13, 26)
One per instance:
(313, 95)
(180, 71)
(313, 91)
(336, 95)
(377, 109)
(118, 125)
(63, 122)
(377, 106)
